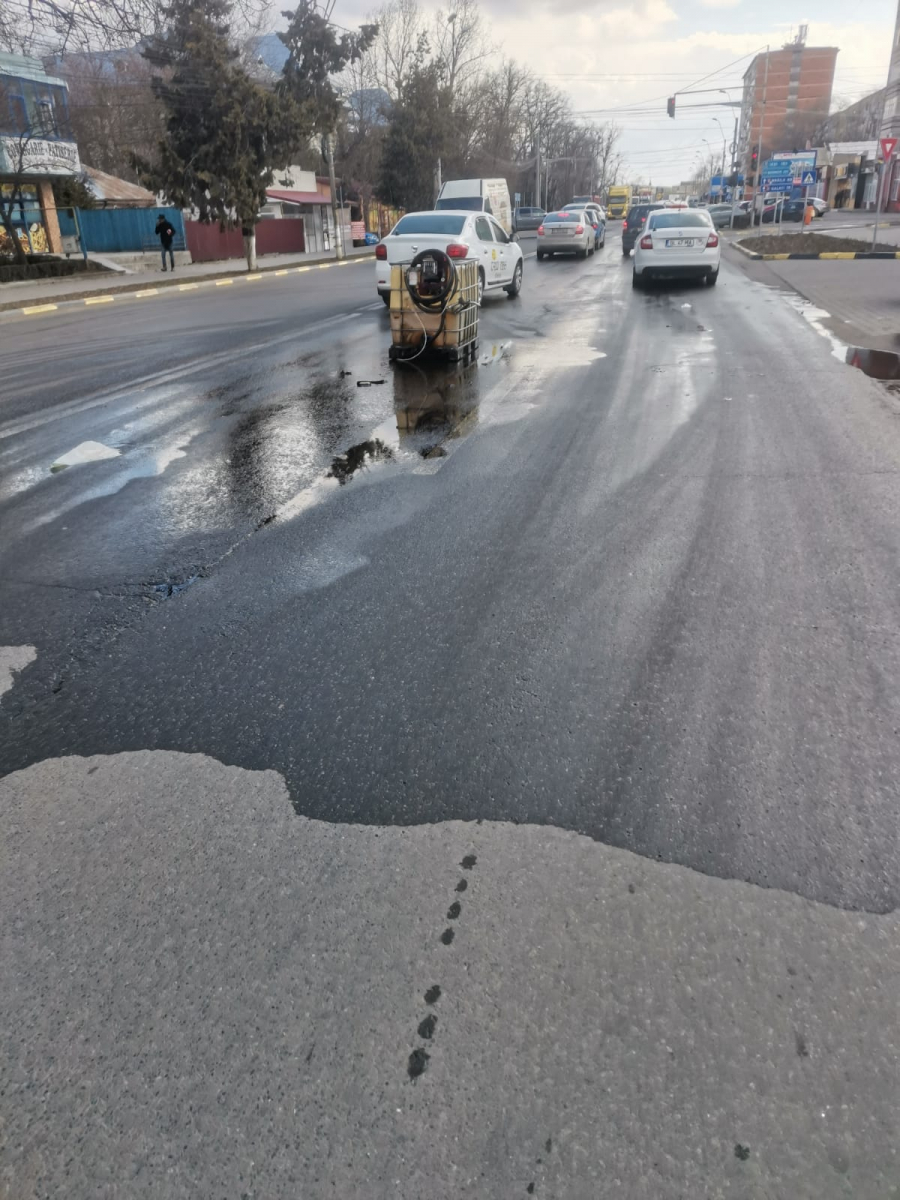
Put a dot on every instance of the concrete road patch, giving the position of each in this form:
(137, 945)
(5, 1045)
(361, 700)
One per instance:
(204, 995)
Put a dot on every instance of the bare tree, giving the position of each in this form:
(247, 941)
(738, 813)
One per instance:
(402, 43)
(113, 110)
(461, 43)
(55, 26)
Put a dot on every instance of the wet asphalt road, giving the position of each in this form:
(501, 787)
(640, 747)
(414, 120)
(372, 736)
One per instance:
(645, 592)
(432, 741)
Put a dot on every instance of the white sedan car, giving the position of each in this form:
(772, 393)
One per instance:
(677, 244)
(460, 234)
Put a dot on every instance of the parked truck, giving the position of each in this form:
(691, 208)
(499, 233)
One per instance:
(619, 201)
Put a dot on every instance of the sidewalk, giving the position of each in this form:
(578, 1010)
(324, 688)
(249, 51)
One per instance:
(861, 298)
(56, 291)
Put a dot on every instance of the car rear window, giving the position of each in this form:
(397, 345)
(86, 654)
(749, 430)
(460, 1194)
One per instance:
(429, 223)
(637, 214)
(560, 218)
(682, 219)
(469, 203)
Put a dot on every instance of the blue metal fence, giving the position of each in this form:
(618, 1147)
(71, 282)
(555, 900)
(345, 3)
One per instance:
(119, 230)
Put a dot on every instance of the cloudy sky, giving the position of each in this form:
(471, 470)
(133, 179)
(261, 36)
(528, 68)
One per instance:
(610, 55)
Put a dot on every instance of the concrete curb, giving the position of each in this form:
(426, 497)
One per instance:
(167, 288)
(828, 255)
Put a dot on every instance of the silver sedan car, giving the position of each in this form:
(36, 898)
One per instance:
(565, 232)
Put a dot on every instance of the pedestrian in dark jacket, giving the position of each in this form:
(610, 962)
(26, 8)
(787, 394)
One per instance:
(166, 235)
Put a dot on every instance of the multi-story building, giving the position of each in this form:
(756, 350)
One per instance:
(787, 95)
(36, 147)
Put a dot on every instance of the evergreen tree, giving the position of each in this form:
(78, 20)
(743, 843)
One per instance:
(224, 134)
(419, 134)
(316, 54)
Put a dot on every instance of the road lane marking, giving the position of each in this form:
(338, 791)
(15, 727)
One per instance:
(99, 299)
(223, 282)
(188, 287)
(147, 292)
(39, 308)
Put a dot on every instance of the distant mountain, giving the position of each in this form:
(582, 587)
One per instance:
(371, 105)
(271, 50)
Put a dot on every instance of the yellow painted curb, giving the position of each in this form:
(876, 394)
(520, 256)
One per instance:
(300, 270)
(284, 272)
(99, 299)
(188, 287)
(38, 308)
(324, 266)
(771, 257)
(223, 282)
(251, 278)
(147, 292)
(838, 254)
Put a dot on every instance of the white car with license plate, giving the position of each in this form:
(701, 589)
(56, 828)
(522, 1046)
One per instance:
(677, 244)
(565, 232)
(460, 234)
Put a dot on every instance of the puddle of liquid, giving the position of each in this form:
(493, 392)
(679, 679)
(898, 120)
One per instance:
(877, 364)
(344, 466)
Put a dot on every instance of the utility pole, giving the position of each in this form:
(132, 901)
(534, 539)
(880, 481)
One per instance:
(338, 228)
(438, 181)
(734, 186)
(878, 189)
(537, 173)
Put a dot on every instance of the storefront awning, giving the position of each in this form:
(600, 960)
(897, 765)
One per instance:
(297, 197)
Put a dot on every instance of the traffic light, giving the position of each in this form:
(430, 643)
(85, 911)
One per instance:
(670, 106)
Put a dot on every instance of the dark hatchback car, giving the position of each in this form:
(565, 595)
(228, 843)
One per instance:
(527, 218)
(793, 210)
(634, 223)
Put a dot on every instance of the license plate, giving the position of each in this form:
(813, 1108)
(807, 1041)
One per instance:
(679, 242)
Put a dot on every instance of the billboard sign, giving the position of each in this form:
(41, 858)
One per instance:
(30, 156)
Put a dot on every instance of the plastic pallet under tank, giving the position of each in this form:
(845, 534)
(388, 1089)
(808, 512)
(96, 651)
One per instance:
(458, 340)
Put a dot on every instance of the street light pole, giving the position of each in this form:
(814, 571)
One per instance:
(724, 143)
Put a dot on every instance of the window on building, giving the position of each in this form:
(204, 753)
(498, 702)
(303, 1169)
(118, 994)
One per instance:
(17, 120)
(46, 118)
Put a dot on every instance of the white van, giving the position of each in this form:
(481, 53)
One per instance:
(478, 195)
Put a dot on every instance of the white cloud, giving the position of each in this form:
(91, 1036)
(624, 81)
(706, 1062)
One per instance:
(720, 3)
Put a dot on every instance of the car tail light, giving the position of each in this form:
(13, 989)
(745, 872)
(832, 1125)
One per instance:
(595, 226)
(381, 252)
(712, 240)
(579, 229)
(647, 242)
(457, 250)
(625, 223)
(540, 231)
